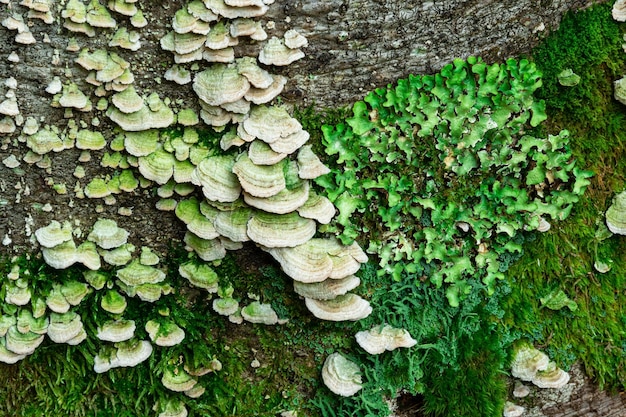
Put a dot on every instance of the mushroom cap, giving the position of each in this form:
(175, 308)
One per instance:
(73, 97)
(280, 230)
(275, 52)
(344, 307)
(317, 208)
(44, 141)
(200, 275)
(527, 361)
(164, 333)
(99, 16)
(56, 301)
(257, 76)
(309, 165)
(54, 234)
(132, 353)
(219, 37)
(106, 234)
(285, 201)
(125, 39)
(341, 376)
(260, 153)
(189, 212)
(219, 7)
(207, 249)
(551, 377)
(183, 21)
(127, 8)
(290, 144)
(308, 262)
(381, 338)
(177, 380)
(265, 95)
(157, 166)
(26, 322)
(119, 256)
(215, 176)
(220, 84)
(233, 224)
(74, 291)
(64, 327)
(178, 74)
(616, 214)
(61, 256)
(22, 343)
(128, 101)
(8, 356)
(198, 9)
(255, 312)
(270, 123)
(295, 40)
(141, 143)
(116, 330)
(90, 140)
(259, 180)
(176, 408)
(327, 289)
(512, 410)
(619, 11)
(113, 302)
(225, 306)
(136, 274)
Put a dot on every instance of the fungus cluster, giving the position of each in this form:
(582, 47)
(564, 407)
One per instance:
(84, 18)
(9, 108)
(107, 71)
(530, 364)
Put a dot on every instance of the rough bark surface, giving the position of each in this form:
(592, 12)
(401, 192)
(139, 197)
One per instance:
(357, 45)
(579, 398)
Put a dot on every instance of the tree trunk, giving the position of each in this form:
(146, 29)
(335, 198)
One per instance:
(354, 46)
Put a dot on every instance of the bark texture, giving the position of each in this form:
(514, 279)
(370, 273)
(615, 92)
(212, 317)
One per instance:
(579, 398)
(357, 45)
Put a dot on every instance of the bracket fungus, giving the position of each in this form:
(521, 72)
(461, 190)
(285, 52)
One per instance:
(215, 175)
(113, 302)
(616, 214)
(66, 328)
(341, 376)
(551, 377)
(259, 180)
(177, 380)
(54, 234)
(280, 230)
(164, 333)
(381, 338)
(530, 364)
(220, 84)
(116, 330)
(136, 274)
(327, 289)
(619, 11)
(255, 312)
(342, 308)
(275, 52)
(107, 235)
(199, 275)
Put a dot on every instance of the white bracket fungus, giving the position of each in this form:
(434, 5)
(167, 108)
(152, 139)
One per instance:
(381, 338)
(341, 376)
